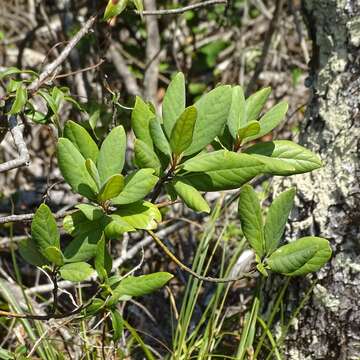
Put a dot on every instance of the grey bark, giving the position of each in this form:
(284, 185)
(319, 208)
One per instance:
(328, 200)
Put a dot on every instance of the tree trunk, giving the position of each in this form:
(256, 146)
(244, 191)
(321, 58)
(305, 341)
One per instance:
(328, 200)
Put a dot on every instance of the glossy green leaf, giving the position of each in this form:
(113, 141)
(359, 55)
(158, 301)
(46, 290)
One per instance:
(191, 197)
(301, 159)
(103, 260)
(116, 227)
(44, 230)
(174, 102)
(159, 139)
(255, 103)
(82, 140)
(213, 111)
(221, 170)
(145, 157)
(276, 219)
(117, 323)
(91, 212)
(137, 186)
(300, 257)
(93, 172)
(270, 120)
(140, 215)
(182, 132)
(111, 188)
(236, 118)
(251, 219)
(114, 8)
(140, 121)
(139, 285)
(54, 255)
(29, 252)
(76, 272)
(252, 128)
(112, 154)
(73, 169)
(21, 98)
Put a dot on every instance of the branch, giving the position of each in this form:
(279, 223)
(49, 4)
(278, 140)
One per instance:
(28, 217)
(185, 8)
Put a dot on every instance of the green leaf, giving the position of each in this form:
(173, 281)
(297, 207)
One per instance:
(212, 114)
(140, 121)
(174, 102)
(276, 219)
(300, 257)
(114, 8)
(270, 120)
(251, 219)
(182, 132)
(236, 118)
(274, 166)
(301, 159)
(54, 255)
(158, 137)
(111, 188)
(139, 5)
(255, 103)
(139, 285)
(44, 230)
(137, 186)
(252, 128)
(145, 157)
(13, 71)
(73, 169)
(76, 272)
(191, 197)
(112, 154)
(20, 100)
(82, 140)
(91, 212)
(221, 170)
(93, 172)
(103, 260)
(117, 323)
(116, 227)
(28, 251)
(95, 306)
(140, 215)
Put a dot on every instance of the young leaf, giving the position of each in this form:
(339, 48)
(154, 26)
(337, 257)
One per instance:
(236, 118)
(301, 159)
(28, 251)
(221, 170)
(140, 121)
(82, 140)
(76, 272)
(44, 230)
(139, 285)
(137, 186)
(114, 8)
(174, 102)
(191, 197)
(251, 219)
(117, 323)
(54, 255)
(112, 154)
(255, 103)
(270, 120)
(140, 215)
(111, 188)
(182, 132)
(73, 169)
(300, 257)
(276, 219)
(158, 137)
(116, 227)
(93, 172)
(20, 100)
(145, 157)
(252, 128)
(103, 261)
(91, 212)
(212, 114)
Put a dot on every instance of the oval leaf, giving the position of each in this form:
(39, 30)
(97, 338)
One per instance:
(158, 137)
(145, 157)
(236, 118)
(111, 188)
(20, 100)
(28, 251)
(255, 103)
(76, 272)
